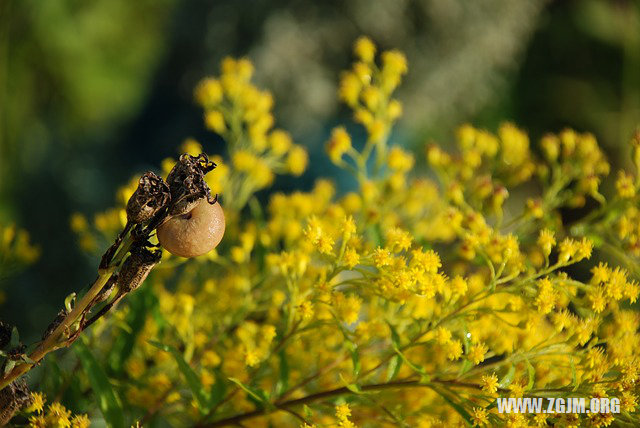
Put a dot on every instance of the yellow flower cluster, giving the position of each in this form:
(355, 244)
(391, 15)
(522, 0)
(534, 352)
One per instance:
(16, 251)
(54, 416)
(15, 248)
(368, 88)
(241, 114)
(407, 302)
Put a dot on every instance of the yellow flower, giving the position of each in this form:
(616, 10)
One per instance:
(597, 298)
(546, 299)
(394, 109)
(343, 411)
(209, 93)
(306, 310)
(601, 273)
(453, 349)
(567, 250)
(394, 65)
(489, 383)
(38, 421)
(428, 261)
(443, 336)
(339, 144)
(351, 258)
(244, 160)
(515, 145)
(399, 160)
(398, 239)
(546, 241)
(364, 49)
(350, 88)
(477, 353)
(479, 416)
(214, 120)
(280, 142)
(584, 249)
(348, 308)
(297, 160)
(625, 186)
(37, 403)
(80, 421)
(58, 415)
(381, 257)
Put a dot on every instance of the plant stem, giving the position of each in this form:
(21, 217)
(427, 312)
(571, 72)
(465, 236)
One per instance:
(53, 340)
(285, 405)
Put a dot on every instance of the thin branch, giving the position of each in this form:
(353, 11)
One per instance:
(285, 405)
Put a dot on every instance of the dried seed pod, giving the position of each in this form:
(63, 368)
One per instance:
(136, 268)
(151, 195)
(194, 233)
(186, 183)
(13, 397)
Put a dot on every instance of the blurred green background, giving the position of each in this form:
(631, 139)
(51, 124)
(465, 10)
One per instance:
(92, 93)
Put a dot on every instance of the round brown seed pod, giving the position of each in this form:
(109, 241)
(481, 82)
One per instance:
(194, 233)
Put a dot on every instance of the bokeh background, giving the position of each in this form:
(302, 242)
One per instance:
(92, 93)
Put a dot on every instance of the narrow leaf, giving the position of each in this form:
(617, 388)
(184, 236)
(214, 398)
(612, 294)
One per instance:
(355, 358)
(283, 380)
(108, 401)
(218, 391)
(395, 338)
(456, 406)
(196, 387)
(508, 378)
(532, 375)
(123, 346)
(257, 394)
(394, 367)
(15, 338)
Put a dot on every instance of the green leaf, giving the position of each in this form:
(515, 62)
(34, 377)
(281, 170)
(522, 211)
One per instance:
(456, 406)
(394, 367)
(395, 338)
(218, 391)
(574, 379)
(283, 380)
(355, 358)
(196, 387)
(108, 401)
(413, 367)
(532, 375)
(353, 387)
(375, 234)
(466, 365)
(508, 378)
(9, 366)
(257, 394)
(68, 302)
(308, 413)
(15, 338)
(140, 303)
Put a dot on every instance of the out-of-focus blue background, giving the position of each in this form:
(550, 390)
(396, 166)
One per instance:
(94, 92)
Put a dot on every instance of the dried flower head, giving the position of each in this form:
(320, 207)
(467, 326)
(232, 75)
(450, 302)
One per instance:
(151, 195)
(137, 267)
(186, 183)
(13, 398)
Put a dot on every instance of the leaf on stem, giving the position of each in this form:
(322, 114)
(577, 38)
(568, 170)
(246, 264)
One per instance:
(110, 405)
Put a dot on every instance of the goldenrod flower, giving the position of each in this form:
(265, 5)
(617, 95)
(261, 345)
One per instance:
(364, 49)
(490, 383)
(338, 144)
(480, 417)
